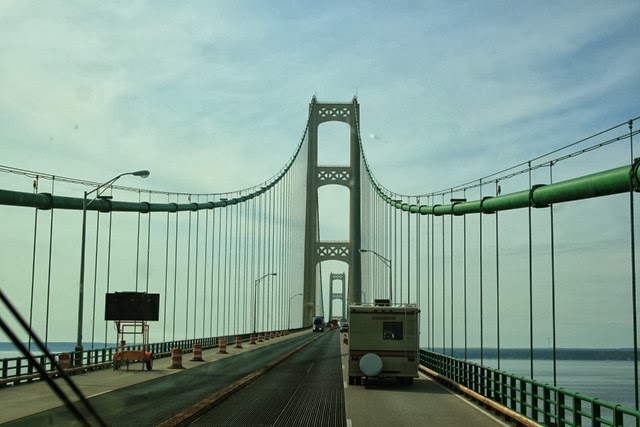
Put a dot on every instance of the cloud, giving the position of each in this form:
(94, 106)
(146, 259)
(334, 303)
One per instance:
(214, 97)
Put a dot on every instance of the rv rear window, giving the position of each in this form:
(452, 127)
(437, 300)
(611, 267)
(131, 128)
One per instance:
(392, 330)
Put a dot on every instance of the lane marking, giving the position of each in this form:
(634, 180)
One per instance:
(474, 406)
(98, 394)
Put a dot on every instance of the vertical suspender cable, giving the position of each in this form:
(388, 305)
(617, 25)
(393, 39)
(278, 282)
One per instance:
(444, 294)
(219, 270)
(274, 279)
(408, 255)
(225, 296)
(186, 301)
(481, 285)
(236, 311)
(211, 286)
(390, 211)
(464, 263)
(633, 266)
(269, 295)
(195, 273)
(148, 242)
(46, 328)
(108, 268)
(553, 281)
(233, 288)
(254, 269)
(204, 273)
(381, 225)
(246, 281)
(231, 270)
(418, 261)
(95, 282)
(451, 273)
(368, 239)
(33, 261)
(264, 261)
(272, 258)
(166, 279)
(175, 276)
(399, 262)
(497, 286)
(395, 250)
(530, 285)
(433, 278)
(428, 274)
(138, 246)
(281, 270)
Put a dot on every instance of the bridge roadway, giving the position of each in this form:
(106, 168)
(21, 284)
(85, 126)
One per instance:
(309, 388)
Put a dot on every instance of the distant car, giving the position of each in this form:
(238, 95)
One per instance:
(318, 324)
(344, 327)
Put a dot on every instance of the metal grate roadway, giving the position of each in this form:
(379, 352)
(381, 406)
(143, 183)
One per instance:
(305, 390)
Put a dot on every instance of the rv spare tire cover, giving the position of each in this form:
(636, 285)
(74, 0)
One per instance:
(371, 364)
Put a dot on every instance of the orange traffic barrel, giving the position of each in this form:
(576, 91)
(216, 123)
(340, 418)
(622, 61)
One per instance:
(252, 339)
(238, 342)
(64, 360)
(260, 339)
(176, 359)
(197, 353)
(271, 335)
(222, 346)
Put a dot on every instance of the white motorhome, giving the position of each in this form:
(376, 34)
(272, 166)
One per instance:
(383, 342)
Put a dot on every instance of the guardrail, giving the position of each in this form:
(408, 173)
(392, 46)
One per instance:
(18, 370)
(538, 402)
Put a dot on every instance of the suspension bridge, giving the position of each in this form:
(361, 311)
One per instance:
(493, 264)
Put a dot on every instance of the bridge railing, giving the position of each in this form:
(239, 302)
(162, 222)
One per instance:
(18, 370)
(542, 403)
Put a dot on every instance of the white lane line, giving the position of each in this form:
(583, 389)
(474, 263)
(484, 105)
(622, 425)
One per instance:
(488, 414)
(98, 394)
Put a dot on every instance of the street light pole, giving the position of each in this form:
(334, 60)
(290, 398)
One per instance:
(289, 320)
(143, 174)
(386, 262)
(255, 298)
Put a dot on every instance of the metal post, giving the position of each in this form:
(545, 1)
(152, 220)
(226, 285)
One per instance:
(79, 347)
(289, 319)
(386, 262)
(255, 298)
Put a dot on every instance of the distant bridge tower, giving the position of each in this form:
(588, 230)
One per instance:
(317, 176)
(342, 296)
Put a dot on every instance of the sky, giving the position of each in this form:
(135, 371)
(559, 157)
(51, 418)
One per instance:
(213, 96)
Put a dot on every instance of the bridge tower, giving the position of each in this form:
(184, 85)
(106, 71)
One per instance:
(337, 295)
(349, 176)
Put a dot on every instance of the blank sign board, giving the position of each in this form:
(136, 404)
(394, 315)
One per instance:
(132, 306)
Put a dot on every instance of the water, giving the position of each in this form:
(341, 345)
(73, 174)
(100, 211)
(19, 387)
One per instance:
(9, 350)
(608, 380)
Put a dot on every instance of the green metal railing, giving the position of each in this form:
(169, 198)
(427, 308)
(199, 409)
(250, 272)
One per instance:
(541, 403)
(18, 370)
